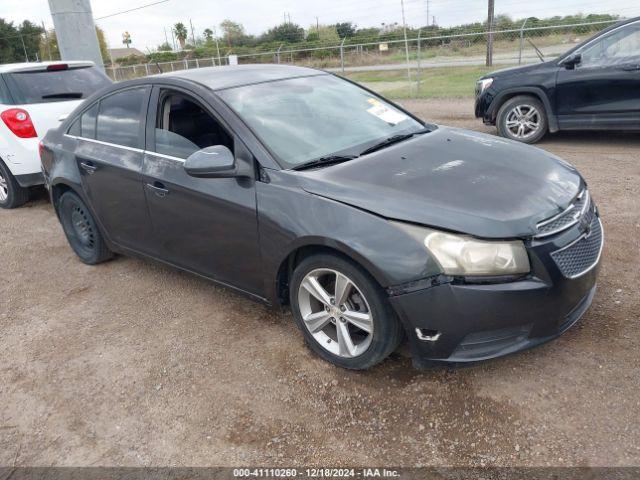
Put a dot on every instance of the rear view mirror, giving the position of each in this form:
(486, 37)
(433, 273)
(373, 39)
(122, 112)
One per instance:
(571, 62)
(212, 162)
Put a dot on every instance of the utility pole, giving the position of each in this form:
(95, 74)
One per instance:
(193, 35)
(46, 39)
(75, 30)
(490, 19)
(406, 43)
(24, 48)
(428, 16)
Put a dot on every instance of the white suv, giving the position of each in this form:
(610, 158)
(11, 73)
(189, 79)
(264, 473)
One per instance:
(33, 98)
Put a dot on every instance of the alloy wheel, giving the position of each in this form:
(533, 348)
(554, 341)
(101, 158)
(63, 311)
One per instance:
(523, 121)
(4, 188)
(335, 312)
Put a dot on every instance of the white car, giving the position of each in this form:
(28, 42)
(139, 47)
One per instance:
(33, 98)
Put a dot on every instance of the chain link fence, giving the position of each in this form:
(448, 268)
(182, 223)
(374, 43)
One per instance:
(398, 60)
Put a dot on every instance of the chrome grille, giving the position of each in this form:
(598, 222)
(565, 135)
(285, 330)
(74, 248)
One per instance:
(566, 219)
(582, 255)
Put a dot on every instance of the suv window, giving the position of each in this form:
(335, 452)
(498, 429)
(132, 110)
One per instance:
(184, 127)
(120, 117)
(621, 46)
(56, 85)
(4, 93)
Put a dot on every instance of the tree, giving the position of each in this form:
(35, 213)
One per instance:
(208, 34)
(326, 35)
(285, 32)
(180, 31)
(49, 46)
(345, 29)
(164, 47)
(16, 40)
(233, 32)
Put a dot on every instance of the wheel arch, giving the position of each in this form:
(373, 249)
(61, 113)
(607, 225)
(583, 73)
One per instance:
(535, 92)
(306, 247)
(59, 188)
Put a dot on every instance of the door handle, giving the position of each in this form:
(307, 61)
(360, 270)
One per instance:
(159, 189)
(88, 167)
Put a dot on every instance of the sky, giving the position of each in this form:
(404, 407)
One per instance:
(147, 25)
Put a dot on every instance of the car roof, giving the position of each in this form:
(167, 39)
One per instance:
(218, 78)
(40, 66)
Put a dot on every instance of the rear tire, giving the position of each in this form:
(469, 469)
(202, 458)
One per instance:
(81, 230)
(355, 330)
(523, 119)
(12, 195)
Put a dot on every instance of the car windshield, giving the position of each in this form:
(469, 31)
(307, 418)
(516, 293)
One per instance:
(307, 118)
(56, 85)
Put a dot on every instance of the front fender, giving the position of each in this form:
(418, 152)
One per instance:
(290, 218)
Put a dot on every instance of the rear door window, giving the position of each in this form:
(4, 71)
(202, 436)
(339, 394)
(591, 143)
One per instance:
(88, 122)
(120, 118)
(56, 85)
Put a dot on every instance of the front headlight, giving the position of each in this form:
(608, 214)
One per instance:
(483, 84)
(468, 256)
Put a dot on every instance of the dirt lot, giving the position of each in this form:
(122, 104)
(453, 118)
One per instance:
(131, 363)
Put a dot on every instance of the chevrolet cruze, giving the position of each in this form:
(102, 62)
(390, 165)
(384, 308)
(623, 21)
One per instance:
(294, 186)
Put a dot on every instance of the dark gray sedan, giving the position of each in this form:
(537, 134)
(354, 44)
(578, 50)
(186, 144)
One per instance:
(294, 186)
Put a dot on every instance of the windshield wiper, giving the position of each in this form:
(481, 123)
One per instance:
(393, 139)
(63, 95)
(324, 161)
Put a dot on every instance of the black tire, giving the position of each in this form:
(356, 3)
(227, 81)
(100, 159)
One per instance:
(387, 329)
(15, 196)
(81, 230)
(523, 101)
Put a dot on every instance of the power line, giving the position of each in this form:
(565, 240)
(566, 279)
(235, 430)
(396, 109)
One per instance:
(131, 9)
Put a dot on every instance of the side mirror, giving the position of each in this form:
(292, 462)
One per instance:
(571, 62)
(212, 162)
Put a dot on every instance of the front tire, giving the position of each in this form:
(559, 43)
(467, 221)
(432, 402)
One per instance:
(522, 118)
(342, 312)
(81, 230)
(12, 195)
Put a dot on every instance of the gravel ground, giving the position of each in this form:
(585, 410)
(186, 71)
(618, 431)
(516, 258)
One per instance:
(131, 363)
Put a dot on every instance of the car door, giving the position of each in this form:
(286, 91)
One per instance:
(603, 89)
(110, 154)
(206, 225)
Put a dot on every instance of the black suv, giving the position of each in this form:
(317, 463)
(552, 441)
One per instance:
(594, 86)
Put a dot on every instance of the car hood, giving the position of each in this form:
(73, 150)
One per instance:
(519, 70)
(456, 180)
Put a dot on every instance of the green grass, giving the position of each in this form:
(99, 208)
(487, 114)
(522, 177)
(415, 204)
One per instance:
(442, 82)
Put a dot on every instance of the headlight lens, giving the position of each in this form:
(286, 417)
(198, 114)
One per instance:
(468, 256)
(484, 84)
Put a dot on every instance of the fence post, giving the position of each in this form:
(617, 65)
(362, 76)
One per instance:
(197, 63)
(522, 40)
(186, 64)
(419, 67)
(342, 55)
(278, 53)
(146, 67)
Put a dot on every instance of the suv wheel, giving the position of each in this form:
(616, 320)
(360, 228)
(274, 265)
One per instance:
(12, 195)
(343, 313)
(81, 230)
(522, 118)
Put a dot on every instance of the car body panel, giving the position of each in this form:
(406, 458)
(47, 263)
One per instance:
(456, 180)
